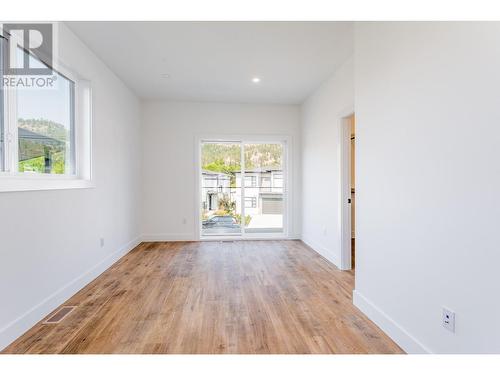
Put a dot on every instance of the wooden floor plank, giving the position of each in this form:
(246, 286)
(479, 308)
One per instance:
(213, 297)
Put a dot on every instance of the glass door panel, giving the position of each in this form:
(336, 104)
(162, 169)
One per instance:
(263, 187)
(220, 189)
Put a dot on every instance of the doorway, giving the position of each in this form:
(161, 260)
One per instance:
(348, 190)
(242, 188)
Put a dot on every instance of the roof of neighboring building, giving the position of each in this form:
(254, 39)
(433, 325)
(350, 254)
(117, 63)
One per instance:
(37, 139)
(206, 171)
(255, 170)
(262, 170)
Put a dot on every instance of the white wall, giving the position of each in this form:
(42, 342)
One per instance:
(49, 240)
(169, 132)
(428, 182)
(320, 137)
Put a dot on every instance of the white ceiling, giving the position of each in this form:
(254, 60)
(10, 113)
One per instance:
(216, 61)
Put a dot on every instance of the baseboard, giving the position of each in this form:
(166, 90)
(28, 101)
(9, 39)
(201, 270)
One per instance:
(321, 250)
(168, 237)
(404, 339)
(17, 327)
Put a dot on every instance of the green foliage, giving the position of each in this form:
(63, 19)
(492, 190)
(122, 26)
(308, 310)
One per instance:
(59, 163)
(225, 158)
(248, 218)
(217, 155)
(33, 165)
(219, 166)
(226, 204)
(38, 164)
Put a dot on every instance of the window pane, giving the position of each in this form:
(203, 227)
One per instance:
(278, 180)
(265, 184)
(250, 202)
(46, 127)
(264, 197)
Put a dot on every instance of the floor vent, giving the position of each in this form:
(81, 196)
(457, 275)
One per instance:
(227, 241)
(62, 313)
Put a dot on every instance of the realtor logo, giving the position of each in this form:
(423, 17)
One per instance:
(36, 39)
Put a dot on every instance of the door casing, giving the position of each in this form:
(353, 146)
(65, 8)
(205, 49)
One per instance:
(345, 188)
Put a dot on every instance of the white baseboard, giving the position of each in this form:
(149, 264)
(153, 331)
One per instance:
(17, 327)
(404, 339)
(168, 237)
(321, 250)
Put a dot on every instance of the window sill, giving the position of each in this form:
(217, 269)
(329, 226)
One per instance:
(34, 183)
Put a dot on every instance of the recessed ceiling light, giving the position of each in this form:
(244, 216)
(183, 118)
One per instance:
(255, 79)
(165, 75)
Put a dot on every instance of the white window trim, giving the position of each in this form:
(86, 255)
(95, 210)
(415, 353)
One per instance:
(82, 178)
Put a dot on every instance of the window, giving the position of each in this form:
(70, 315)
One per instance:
(250, 181)
(45, 127)
(250, 202)
(266, 184)
(44, 130)
(278, 180)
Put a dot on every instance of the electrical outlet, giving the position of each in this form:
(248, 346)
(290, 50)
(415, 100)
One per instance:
(448, 319)
(101, 241)
(324, 231)
(184, 221)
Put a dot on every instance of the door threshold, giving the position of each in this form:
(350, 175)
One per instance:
(230, 238)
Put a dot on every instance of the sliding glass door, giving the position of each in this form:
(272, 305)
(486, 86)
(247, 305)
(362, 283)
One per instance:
(242, 188)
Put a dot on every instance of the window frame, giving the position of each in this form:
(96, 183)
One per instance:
(253, 202)
(3, 135)
(81, 177)
(266, 189)
(253, 181)
(275, 178)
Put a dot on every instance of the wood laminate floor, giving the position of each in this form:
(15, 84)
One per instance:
(213, 297)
